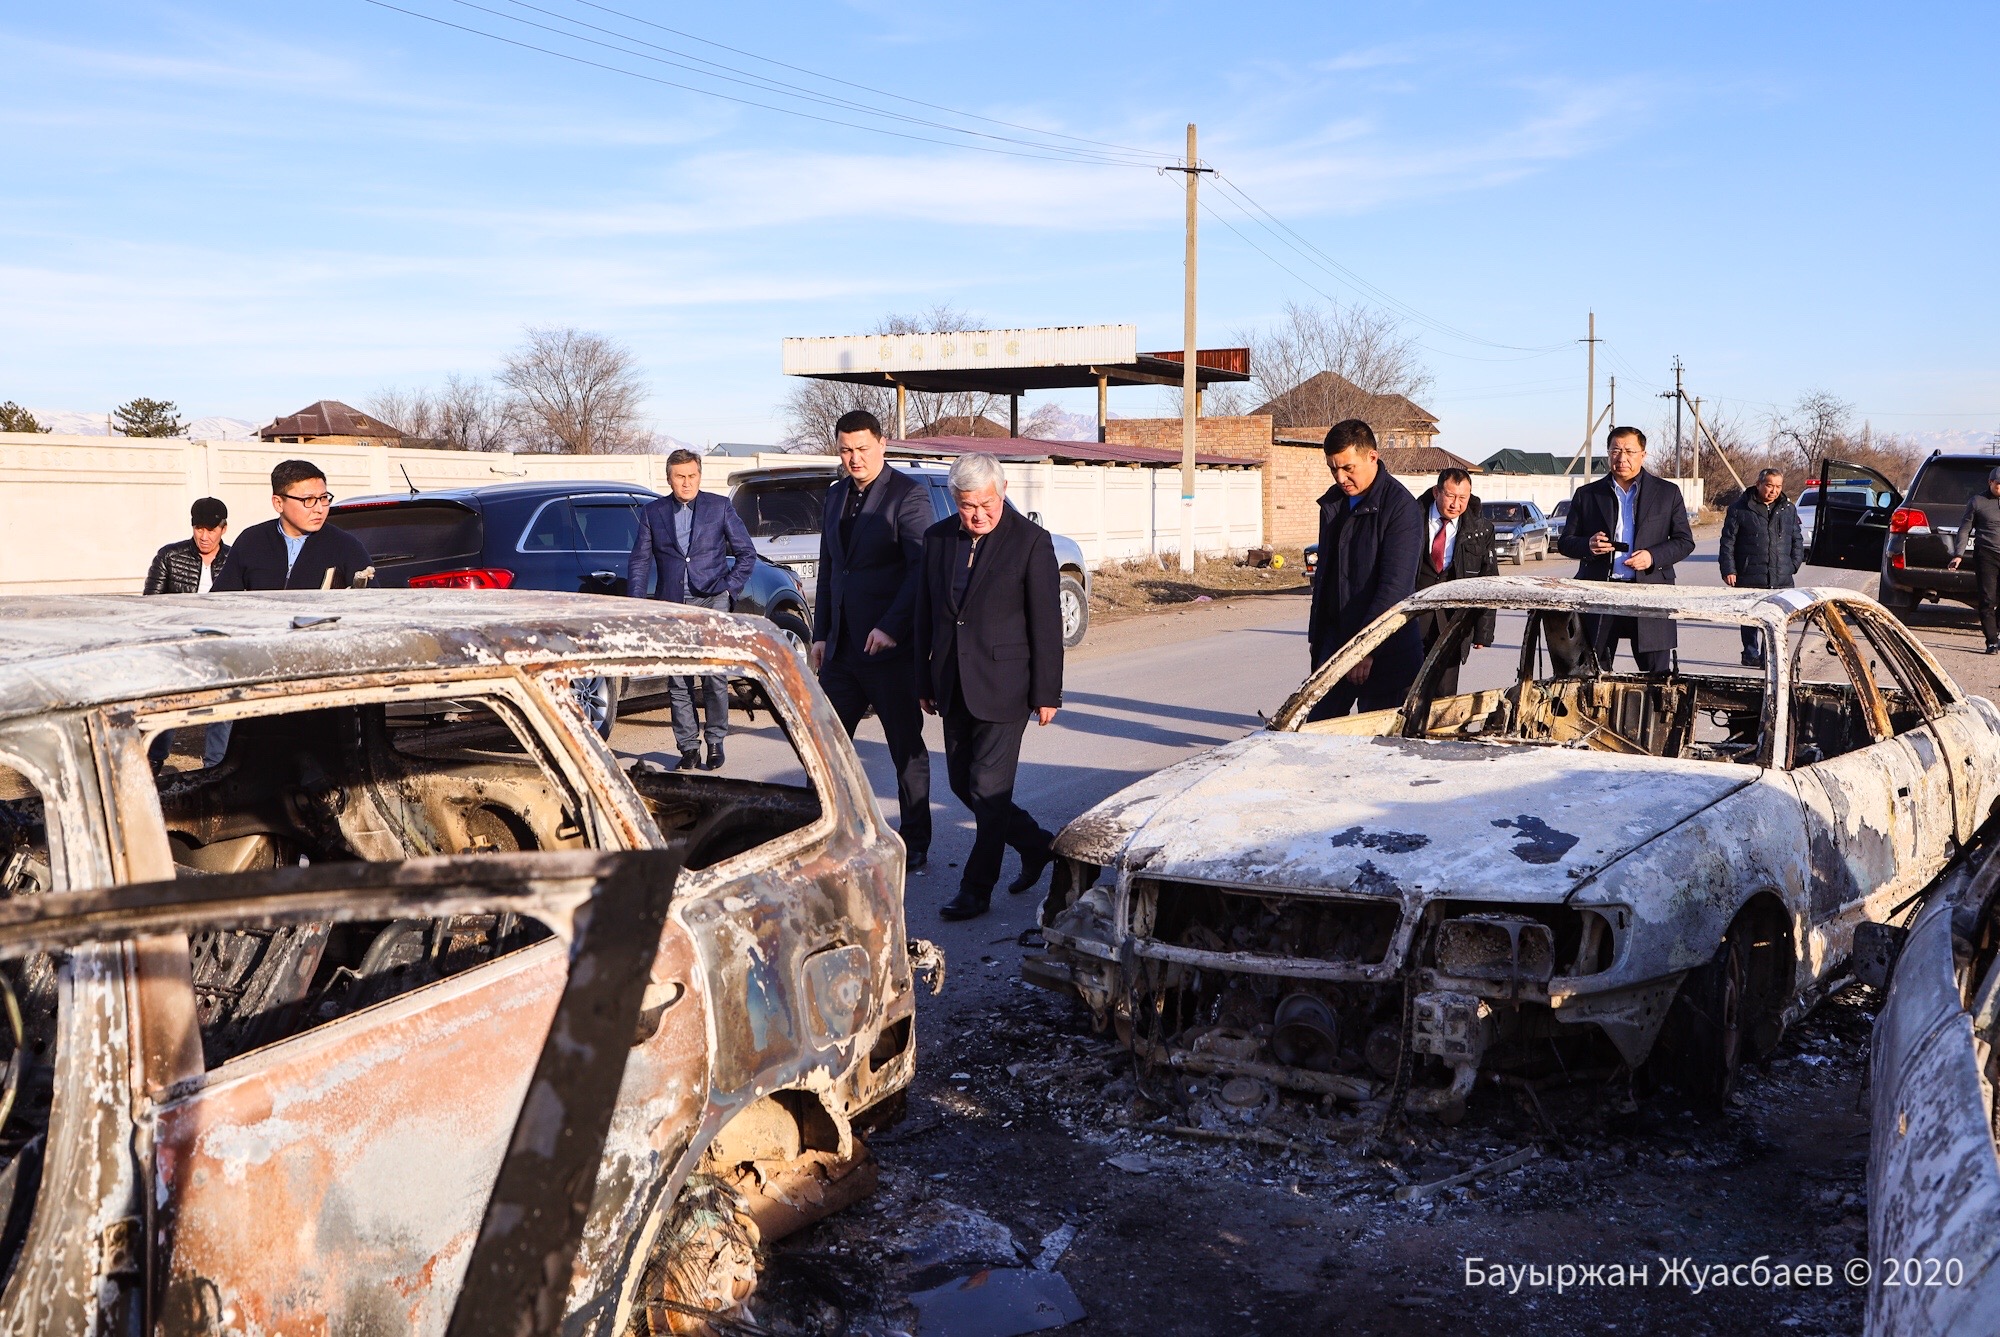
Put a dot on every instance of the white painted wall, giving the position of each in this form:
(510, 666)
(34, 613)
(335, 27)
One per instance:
(84, 514)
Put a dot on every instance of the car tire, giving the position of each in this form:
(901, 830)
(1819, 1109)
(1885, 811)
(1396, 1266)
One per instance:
(705, 1261)
(1900, 602)
(1542, 552)
(597, 698)
(792, 626)
(1075, 606)
(1706, 1034)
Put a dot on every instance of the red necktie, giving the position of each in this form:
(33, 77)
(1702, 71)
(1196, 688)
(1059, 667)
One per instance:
(1437, 548)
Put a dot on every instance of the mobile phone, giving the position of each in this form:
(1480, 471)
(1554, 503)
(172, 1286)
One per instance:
(1616, 546)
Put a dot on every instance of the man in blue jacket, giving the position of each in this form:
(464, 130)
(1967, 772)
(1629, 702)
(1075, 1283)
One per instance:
(687, 539)
(1371, 534)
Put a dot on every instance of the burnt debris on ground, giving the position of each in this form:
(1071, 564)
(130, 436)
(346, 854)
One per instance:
(1173, 1203)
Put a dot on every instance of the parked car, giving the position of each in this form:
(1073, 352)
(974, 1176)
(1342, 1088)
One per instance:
(1866, 523)
(1519, 530)
(1392, 900)
(560, 536)
(225, 1111)
(1933, 1166)
(782, 509)
(1558, 518)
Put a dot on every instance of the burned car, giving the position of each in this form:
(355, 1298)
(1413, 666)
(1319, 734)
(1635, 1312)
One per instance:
(282, 1123)
(1570, 869)
(1933, 1162)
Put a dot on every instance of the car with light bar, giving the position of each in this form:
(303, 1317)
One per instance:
(1864, 521)
(573, 537)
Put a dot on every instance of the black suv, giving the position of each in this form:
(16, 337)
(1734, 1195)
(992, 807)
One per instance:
(564, 536)
(1862, 521)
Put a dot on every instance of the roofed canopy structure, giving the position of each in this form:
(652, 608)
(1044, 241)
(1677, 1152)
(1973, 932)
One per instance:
(1007, 362)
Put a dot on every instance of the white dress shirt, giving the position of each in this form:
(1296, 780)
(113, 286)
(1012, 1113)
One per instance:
(1431, 535)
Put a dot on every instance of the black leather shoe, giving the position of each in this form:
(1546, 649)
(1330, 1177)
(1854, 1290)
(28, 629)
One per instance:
(1032, 868)
(1993, 647)
(691, 759)
(914, 861)
(714, 762)
(968, 905)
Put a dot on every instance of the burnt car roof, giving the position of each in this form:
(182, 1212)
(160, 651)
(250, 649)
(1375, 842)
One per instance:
(1536, 593)
(65, 651)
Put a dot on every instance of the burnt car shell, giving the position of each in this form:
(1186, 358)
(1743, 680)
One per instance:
(335, 1179)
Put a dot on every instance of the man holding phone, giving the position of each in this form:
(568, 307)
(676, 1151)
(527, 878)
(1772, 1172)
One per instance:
(1629, 526)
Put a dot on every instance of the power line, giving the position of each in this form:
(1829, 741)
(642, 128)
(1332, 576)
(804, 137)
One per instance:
(1058, 155)
(879, 92)
(1313, 254)
(760, 82)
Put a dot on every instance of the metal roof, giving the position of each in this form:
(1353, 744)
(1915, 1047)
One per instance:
(1004, 361)
(329, 417)
(61, 652)
(1024, 449)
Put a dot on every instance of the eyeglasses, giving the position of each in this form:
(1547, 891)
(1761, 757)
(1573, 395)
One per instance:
(312, 502)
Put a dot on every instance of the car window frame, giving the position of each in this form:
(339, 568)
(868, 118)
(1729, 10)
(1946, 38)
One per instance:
(1874, 709)
(521, 542)
(637, 502)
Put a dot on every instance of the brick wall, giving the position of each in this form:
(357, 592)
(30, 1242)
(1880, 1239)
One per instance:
(1294, 476)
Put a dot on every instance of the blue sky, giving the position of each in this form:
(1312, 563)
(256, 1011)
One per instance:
(248, 206)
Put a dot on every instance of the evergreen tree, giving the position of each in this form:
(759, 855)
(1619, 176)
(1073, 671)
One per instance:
(148, 417)
(14, 418)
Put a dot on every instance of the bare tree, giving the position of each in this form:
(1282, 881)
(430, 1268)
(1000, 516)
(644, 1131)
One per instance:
(412, 412)
(470, 416)
(1365, 348)
(573, 392)
(1817, 423)
(812, 408)
(1225, 399)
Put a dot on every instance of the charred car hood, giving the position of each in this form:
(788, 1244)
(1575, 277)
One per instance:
(1313, 811)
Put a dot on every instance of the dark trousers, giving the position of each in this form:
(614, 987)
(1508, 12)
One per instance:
(1753, 641)
(712, 690)
(1987, 564)
(1611, 630)
(853, 682)
(981, 757)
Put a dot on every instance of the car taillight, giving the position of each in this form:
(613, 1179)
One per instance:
(473, 578)
(1909, 520)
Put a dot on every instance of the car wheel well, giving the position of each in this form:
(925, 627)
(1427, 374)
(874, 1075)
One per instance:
(1772, 966)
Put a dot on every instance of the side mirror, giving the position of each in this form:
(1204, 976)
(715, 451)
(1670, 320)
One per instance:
(1034, 517)
(1876, 948)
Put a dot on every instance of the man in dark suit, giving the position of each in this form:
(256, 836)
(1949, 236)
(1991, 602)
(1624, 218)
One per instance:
(871, 555)
(298, 550)
(1458, 542)
(1371, 533)
(989, 655)
(688, 538)
(1630, 525)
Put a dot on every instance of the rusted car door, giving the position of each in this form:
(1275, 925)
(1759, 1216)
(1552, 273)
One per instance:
(334, 1180)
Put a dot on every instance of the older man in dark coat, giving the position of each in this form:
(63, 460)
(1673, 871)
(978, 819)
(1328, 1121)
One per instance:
(1763, 547)
(1631, 525)
(1458, 544)
(1371, 533)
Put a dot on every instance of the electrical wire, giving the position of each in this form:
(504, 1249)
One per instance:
(762, 84)
(1059, 156)
(879, 92)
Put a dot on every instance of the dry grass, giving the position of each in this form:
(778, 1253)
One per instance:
(1122, 589)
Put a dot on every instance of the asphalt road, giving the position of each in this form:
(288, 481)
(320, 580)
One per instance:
(1144, 693)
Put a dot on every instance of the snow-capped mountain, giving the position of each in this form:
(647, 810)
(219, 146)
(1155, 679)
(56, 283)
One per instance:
(72, 423)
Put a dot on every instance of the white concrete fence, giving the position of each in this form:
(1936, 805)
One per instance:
(84, 514)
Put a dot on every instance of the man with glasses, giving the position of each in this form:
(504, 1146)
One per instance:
(298, 550)
(1629, 526)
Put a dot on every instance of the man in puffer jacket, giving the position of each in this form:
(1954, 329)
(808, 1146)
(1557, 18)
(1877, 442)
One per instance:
(1762, 547)
(190, 567)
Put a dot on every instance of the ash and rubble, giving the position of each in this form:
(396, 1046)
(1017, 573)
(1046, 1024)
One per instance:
(1025, 1130)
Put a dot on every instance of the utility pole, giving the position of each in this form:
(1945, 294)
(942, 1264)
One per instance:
(1612, 411)
(1697, 438)
(1590, 394)
(1679, 394)
(1190, 404)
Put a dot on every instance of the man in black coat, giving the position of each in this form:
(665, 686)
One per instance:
(989, 655)
(1763, 547)
(1458, 542)
(298, 550)
(688, 538)
(1630, 525)
(1371, 533)
(190, 567)
(871, 555)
